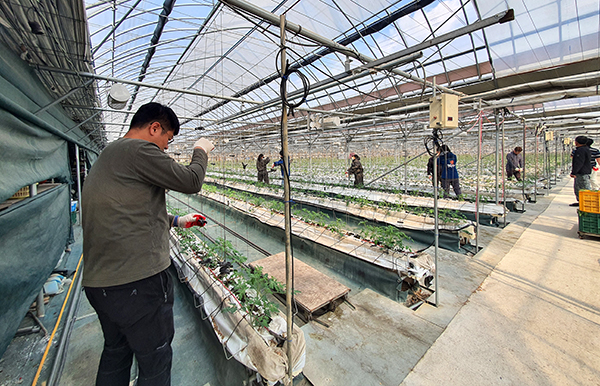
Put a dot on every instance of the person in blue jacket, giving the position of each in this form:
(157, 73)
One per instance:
(449, 175)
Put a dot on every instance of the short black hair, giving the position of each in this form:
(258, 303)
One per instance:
(582, 139)
(518, 149)
(155, 112)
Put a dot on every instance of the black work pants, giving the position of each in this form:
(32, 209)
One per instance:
(455, 182)
(510, 173)
(136, 319)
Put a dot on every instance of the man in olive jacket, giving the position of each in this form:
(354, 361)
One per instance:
(126, 244)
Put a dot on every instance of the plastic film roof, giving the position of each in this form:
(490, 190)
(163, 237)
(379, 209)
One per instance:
(196, 56)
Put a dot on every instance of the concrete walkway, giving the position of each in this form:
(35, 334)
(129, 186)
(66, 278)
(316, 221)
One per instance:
(535, 320)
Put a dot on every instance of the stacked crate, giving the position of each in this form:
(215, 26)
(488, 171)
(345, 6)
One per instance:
(589, 212)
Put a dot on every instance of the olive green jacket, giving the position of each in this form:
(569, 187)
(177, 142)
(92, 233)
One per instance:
(124, 216)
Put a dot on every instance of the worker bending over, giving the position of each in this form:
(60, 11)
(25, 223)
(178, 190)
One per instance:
(514, 163)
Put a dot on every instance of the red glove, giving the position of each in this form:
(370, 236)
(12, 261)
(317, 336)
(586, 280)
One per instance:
(189, 220)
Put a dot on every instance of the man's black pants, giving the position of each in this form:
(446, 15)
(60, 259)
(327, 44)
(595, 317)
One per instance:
(136, 319)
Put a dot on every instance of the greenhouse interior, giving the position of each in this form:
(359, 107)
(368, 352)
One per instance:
(324, 159)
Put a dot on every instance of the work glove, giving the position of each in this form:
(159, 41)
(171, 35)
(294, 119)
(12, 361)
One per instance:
(204, 144)
(189, 220)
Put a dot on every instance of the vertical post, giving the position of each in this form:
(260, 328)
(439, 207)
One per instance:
(536, 167)
(39, 304)
(480, 133)
(503, 170)
(497, 145)
(555, 161)
(435, 209)
(546, 162)
(309, 146)
(405, 165)
(524, 163)
(288, 220)
(78, 181)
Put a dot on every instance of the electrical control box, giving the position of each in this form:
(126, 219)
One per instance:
(443, 111)
(549, 135)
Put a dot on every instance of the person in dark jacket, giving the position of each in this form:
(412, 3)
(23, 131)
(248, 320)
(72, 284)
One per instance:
(449, 175)
(261, 166)
(581, 167)
(514, 163)
(356, 169)
(430, 170)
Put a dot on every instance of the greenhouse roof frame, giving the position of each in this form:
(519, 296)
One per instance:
(191, 54)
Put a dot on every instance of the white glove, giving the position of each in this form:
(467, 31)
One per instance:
(204, 144)
(189, 220)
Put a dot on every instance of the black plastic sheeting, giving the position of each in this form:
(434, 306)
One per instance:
(34, 235)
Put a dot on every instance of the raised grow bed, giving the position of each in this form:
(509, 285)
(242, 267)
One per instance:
(236, 299)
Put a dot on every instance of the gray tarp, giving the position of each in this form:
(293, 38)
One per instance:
(34, 234)
(33, 148)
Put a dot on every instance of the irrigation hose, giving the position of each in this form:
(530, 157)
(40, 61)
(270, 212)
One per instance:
(39, 370)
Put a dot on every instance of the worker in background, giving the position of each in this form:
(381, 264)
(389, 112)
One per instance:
(581, 167)
(356, 169)
(449, 174)
(126, 244)
(282, 165)
(595, 160)
(261, 167)
(514, 163)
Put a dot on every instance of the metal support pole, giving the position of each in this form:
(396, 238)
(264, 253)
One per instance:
(504, 170)
(547, 157)
(435, 211)
(437, 223)
(39, 304)
(497, 145)
(524, 171)
(480, 133)
(536, 167)
(62, 98)
(555, 161)
(405, 165)
(78, 181)
(288, 221)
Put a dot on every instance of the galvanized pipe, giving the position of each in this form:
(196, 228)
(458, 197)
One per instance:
(524, 159)
(299, 30)
(496, 160)
(480, 131)
(142, 84)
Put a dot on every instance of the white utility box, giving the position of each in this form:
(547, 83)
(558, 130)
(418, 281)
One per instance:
(443, 111)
